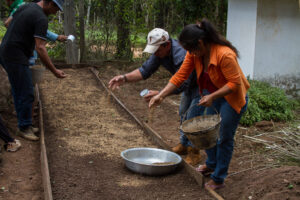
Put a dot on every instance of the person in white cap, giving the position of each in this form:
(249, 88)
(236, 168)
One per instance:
(168, 53)
(27, 31)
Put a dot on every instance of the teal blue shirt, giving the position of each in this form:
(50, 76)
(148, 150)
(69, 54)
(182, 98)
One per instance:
(14, 6)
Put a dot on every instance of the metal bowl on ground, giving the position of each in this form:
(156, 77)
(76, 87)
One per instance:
(151, 161)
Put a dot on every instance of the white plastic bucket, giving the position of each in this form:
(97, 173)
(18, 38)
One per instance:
(37, 73)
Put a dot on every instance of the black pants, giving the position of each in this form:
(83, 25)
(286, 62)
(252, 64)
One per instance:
(4, 134)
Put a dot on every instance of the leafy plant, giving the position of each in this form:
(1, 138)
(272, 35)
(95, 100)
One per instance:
(2, 30)
(56, 50)
(267, 103)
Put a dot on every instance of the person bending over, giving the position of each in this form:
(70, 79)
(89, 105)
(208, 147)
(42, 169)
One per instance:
(168, 53)
(223, 87)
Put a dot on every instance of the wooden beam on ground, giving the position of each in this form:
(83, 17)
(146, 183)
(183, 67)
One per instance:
(44, 159)
(152, 133)
(216, 195)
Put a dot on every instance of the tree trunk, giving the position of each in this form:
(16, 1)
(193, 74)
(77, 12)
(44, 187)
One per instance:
(95, 19)
(70, 29)
(159, 14)
(59, 17)
(217, 11)
(82, 35)
(223, 16)
(2, 10)
(88, 13)
(123, 33)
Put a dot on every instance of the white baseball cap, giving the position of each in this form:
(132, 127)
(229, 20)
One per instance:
(155, 38)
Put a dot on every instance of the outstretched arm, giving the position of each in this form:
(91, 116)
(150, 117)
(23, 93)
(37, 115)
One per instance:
(156, 100)
(40, 46)
(119, 80)
(53, 37)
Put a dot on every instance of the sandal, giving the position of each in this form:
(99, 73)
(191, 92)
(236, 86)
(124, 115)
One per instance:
(203, 169)
(211, 185)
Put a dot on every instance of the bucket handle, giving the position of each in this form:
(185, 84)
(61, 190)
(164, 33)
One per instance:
(205, 112)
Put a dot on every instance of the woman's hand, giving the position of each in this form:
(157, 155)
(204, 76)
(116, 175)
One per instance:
(206, 100)
(155, 101)
(151, 94)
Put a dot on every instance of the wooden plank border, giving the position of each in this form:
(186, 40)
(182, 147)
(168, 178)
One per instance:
(152, 133)
(44, 159)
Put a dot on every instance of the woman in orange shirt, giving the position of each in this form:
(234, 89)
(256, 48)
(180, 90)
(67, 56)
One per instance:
(223, 88)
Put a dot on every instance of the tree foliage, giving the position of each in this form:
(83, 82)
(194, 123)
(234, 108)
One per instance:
(114, 27)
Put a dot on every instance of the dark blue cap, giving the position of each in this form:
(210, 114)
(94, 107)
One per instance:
(60, 4)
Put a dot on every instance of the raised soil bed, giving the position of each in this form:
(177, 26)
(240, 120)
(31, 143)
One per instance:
(85, 133)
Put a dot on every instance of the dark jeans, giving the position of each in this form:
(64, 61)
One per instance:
(4, 134)
(219, 157)
(188, 103)
(20, 79)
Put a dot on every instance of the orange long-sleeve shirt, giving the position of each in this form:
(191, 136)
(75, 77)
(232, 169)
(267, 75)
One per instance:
(223, 69)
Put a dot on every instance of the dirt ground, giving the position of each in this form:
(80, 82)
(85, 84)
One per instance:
(85, 134)
(20, 172)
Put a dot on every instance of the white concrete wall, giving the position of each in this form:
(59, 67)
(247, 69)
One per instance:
(277, 51)
(267, 34)
(241, 31)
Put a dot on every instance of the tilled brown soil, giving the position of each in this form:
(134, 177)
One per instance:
(85, 161)
(85, 134)
(20, 172)
(80, 169)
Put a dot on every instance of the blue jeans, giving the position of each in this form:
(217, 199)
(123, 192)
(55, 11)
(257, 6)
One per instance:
(33, 58)
(219, 157)
(20, 79)
(188, 103)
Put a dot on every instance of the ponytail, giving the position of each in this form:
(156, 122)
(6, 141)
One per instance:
(204, 31)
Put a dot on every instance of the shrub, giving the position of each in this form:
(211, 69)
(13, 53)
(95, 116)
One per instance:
(2, 30)
(267, 103)
(56, 50)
